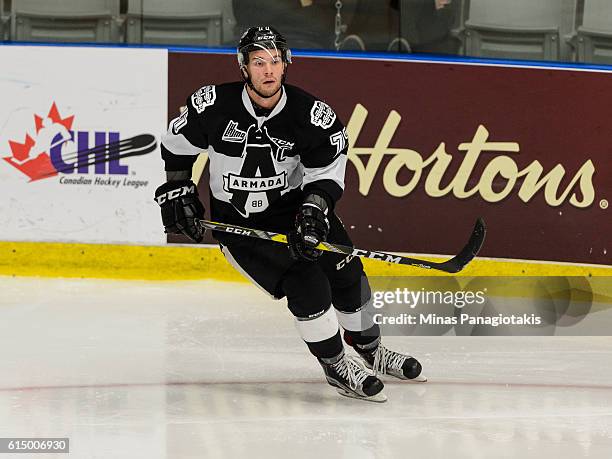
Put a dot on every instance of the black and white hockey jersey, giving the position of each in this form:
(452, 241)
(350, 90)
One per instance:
(260, 167)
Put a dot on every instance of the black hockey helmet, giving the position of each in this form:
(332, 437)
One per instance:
(256, 38)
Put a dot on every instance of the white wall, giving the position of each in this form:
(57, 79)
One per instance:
(98, 94)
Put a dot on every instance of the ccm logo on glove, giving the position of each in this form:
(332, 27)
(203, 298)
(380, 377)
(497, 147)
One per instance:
(173, 194)
(181, 208)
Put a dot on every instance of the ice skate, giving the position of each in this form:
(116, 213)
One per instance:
(385, 361)
(350, 377)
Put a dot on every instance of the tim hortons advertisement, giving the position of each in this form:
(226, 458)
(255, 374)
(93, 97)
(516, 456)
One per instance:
(432, 146)
(79, 135)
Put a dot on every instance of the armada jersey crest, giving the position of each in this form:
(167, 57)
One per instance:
(233, 183)
(258, 171)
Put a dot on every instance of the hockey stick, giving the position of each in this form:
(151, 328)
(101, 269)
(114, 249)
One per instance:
(454, 265)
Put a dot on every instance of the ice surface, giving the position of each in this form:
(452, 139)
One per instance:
(131, 369)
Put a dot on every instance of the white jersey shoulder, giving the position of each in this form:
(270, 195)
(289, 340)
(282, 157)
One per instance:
(322, 115)
(203, 97)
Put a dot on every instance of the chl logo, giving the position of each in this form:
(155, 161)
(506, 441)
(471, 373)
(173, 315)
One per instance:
(258, 173)
(43, 154)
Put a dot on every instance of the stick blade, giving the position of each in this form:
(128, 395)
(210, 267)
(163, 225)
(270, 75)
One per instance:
(467, 254)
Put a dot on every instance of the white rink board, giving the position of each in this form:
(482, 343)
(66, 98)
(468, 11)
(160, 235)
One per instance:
(111, 94)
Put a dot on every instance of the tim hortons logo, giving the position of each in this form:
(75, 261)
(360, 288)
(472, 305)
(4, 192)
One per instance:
(501, 168)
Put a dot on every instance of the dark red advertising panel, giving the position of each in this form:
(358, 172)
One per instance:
(435, 145)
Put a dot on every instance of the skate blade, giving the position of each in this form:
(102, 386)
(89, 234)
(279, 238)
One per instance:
(418, 379)
(377, 398)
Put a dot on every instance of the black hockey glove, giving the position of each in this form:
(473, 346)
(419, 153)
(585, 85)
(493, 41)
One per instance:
(311, 228)
(180, 207)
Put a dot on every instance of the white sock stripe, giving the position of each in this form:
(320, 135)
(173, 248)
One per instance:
(360, 320)
(318, 329)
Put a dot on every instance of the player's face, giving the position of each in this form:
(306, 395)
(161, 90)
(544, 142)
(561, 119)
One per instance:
(266, 69)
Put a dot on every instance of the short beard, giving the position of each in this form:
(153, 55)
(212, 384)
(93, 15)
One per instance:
(267, 92)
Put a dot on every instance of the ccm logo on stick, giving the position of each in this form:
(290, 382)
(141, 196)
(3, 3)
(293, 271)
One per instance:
(376, 255)
(173, 194)
(238, 231)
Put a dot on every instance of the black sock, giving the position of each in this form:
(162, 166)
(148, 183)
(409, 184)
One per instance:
(328, 348)
(362, 338)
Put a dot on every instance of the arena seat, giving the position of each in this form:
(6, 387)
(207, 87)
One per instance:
(65, 20)
(3, 22)
(592, 40)
(458, 30)
(180, 22)
(520, 29)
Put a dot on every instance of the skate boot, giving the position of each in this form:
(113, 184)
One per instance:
(384, 361)
(351, 379)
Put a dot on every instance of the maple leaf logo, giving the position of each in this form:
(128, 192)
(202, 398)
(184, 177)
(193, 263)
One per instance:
(31, 156)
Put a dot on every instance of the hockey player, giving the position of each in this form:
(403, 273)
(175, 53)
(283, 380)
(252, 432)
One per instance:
(277, 157)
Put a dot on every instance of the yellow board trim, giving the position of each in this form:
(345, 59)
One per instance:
(176, 262)
(105, 261)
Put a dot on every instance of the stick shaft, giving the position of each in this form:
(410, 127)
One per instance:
(452, 265)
